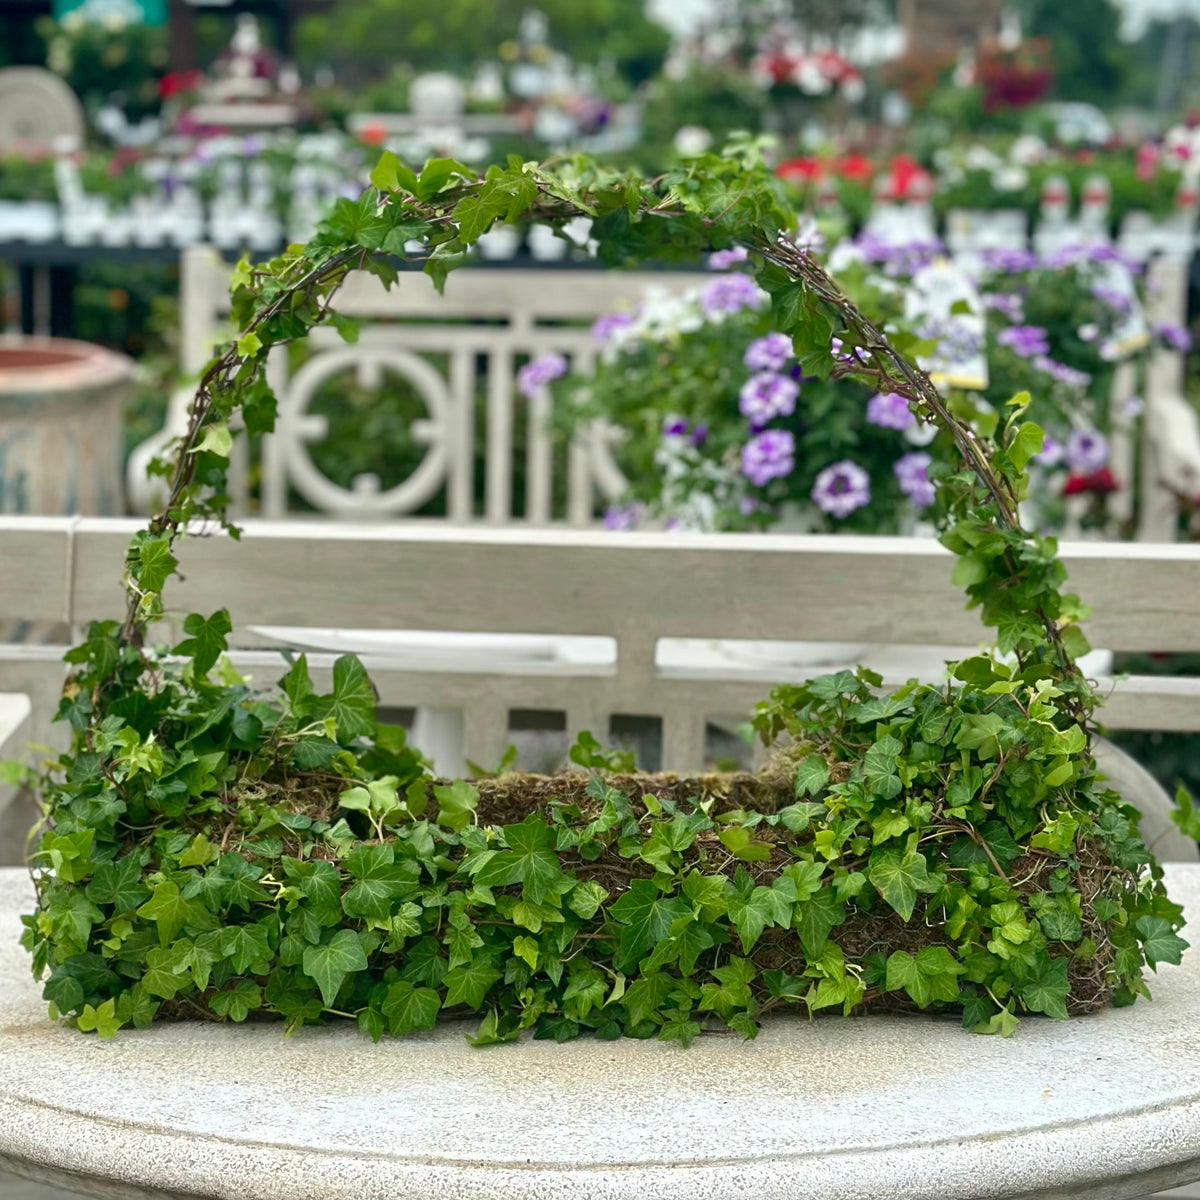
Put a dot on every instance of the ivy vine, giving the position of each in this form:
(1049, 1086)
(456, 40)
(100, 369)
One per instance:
(215, 851)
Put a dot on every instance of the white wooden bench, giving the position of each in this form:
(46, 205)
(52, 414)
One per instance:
(634, 589)
(1108, 1105)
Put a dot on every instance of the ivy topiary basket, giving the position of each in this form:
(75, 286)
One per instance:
(220, 853)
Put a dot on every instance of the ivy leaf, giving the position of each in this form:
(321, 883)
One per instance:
(135, 1008)
(216, 440)
(812, 775)
(297, 686)
(796, 818)
(119, 884)
(585, 899)
(328, 964)
(155, 563)
(751, 912)
(898, 875)
(1026, 442)
(492, 1031)
(932, 974)
(877, 708)
(239, 1002)
(530, 860)
(391, 175)
(738, 840)
(379, 881)
(732, 989)
(585, 991)
(165, 971)
(1004, 1023)
(103, 1020)
(1045, 989)
(646, 995)
(408, 1008)
(168, 909)
(470, 983)
(457, 803)
(245, 945)
(815, 918)
(1160, 943)
(879, 767)
(644, 916)
(207, 640)
(352, 703)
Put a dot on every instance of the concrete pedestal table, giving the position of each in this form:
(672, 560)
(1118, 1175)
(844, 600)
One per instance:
(1106, 1106)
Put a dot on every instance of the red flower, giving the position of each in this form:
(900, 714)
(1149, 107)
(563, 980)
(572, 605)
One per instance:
(855, 166)
(907, 177)
(1099, 483)
(179, 81)
(373, 134)
(800, 171)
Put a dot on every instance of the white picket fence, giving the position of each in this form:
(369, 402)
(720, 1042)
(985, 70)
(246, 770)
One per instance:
(527, 593)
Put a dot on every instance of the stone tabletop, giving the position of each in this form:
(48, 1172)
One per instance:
(1106, 1106)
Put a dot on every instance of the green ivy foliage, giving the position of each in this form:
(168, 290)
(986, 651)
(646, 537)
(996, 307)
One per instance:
(222, 852)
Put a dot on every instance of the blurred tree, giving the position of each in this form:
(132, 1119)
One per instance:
(1090, 62)
(367, 37)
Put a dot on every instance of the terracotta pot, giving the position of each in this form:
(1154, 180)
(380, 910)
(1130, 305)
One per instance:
(61, 412)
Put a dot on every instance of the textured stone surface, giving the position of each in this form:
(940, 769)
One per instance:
(1104, 1106)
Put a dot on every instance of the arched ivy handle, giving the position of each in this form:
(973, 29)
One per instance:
(1010, 574)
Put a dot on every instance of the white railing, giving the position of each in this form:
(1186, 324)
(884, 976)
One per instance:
(640, 592)
(476, 335)
(479, 332)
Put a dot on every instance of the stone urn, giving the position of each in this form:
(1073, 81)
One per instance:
(61, 412)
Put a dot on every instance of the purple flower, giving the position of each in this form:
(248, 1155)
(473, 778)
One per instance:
(1060, 372)
(604, 327)
(770, 353)
(674, 427)
(1010, 305)
(730, 294)
(1133, 406)
(1010, 261)
(1025, 340)
(253, 145)
(1068, 256)
(1051, 453)
(1088, 333)
(1175, 336)
(842, 488)
(766, 396)
(889, 410)
(769, 455)
(896, 260)
(1087, 451)
(535, 375)
(912, 473)
(957, 340)
(699, 434)
(837, 349)
(722, 260)
(1113, 297)
(623, 516)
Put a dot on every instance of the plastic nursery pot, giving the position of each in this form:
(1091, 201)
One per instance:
(61, 405)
